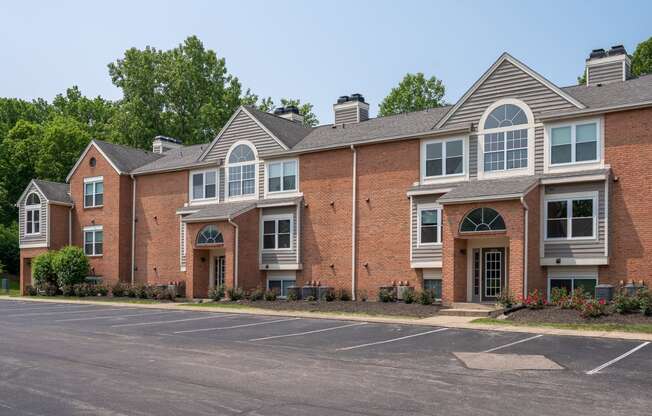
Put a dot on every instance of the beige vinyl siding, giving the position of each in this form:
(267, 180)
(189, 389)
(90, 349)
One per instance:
(607, 72)
(42, 238)
(346, 115)
(539, 150)
(281, 256)
(473, 156)
(423, 254)
(508, 81)
(579, 248)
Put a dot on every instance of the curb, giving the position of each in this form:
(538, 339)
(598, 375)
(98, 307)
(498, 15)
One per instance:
(439, 321)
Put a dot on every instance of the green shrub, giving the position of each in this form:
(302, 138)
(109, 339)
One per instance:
(270, 295)
(592, 308)
(165, 293)
(216, 293)
(409, 296)
(558, 296)
(292, 295)
(68, 290)
(645, 302)
(535, 300)
(330, 295)
(235, 293)
(131, 291)
(506, 299)
(386, 295)
(343, 295)
(48, 289)
(80, 289)
(256, 295)
(102, 290)
(626, 304)
(310, 298)
(425, 297)
(119, 290)
(31, 290)
(70, 264)
(42, 268)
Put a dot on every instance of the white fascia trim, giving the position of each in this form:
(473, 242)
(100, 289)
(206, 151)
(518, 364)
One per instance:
(507, 57)
(92, 143)
(429, 191)
(573, 179)
(289, 266)
(426, 264)
(614, 58)
(94, 179)
(569, 261)
(33, 245)
(278, 204)
(64, 204)
(483, 198)
(595, 111)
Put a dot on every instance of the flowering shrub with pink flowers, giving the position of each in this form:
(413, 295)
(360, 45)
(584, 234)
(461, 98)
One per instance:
(592, 308)
(535, 300)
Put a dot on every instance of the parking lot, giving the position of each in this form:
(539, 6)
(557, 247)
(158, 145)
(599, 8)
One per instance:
(86, 359)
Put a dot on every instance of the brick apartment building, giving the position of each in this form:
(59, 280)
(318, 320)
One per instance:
(519, 185)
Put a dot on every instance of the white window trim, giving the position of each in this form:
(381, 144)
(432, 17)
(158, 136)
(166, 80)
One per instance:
(93, 229)
(573, 166)
(33, 208)
(199, 201)
(428, 207)
(280, 279)
(282, 193)
(531, 130)
(444, 178)
(573, 277)
(255, 162)
(568, 198)
(276, 218)
(94, 180)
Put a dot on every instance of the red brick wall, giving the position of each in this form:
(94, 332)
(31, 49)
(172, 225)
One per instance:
(59, 215)
(628, 149)
(113, 261)
(158, 197)
(249, 274)
(26, 256)
(536, 273)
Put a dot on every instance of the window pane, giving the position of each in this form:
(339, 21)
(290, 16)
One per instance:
(88, 200)
(557, 209)
(276, 286)
(269, 241)
(586, 133)
(99, 187)
(560, 136)
(454, 148)
(274, 170)
(428, 234)
(269, 227)
(434, 285)
(234, 188)
(211, 184)
(583, 208)
(274, 184)
(586, 151)
(285, 285)
(88, 249)
(284, 241)
(234, 173)
(454, 165)
(284, 226)
(289, 168)
(88, 188)
(289, 183)
(99, 199)
(562, 283)
(99, 236)
(434, 167)
(248, 187)
(197, 186)
(557, 228)
(98, 248)
(560, 154)
(587, 285)
(429, 217)
(433, 151)
(582, 227)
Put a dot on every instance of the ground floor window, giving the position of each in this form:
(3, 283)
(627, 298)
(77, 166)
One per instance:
(587, 284)
(434, 285)
(280, 285)
(93, 240)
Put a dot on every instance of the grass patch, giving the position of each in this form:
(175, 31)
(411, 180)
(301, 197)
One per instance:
(635, 328)
(14, 287)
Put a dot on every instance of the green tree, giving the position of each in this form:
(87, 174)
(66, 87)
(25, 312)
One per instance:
(415, 92)
(9, 251)
(63, 140)
(642, 58)
(13, 109)
(94, 114)
(305, 109)
(43, 268)
(71, 266)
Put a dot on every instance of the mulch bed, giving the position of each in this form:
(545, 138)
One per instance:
(571, 316)
(371, 308)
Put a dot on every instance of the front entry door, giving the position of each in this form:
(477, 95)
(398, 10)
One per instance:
(219, 269)
(493, 273)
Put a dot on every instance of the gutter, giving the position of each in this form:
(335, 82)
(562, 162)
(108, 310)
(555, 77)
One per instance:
(133, 229)
(595, 111)
(235, 266)
(353, 218)
(525, 245)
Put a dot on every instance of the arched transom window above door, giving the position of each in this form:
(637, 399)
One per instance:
(506, 137)
(482, 219)
(209, 235)
(241, 171)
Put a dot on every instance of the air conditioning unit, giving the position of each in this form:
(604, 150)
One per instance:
(401, 290)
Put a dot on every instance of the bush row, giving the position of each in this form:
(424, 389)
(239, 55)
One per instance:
(258, 294)
(117, 290)
(66, 267)
(423, 297)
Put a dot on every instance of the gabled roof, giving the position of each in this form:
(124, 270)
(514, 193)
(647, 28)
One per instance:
(54, 192)
(220, 212)
(507, 57)
(123, 159)
(289, 132)
(491, 189)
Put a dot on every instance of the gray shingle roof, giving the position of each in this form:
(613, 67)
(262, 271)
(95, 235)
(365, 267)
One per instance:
(126, 158)
(375, 128)
(617, 93)
(486, 189)
(223, 211)
(289, 132)
(186, 156)
(54, 191)
(271, 202)
(432, 188)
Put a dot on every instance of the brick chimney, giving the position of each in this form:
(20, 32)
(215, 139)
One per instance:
(351, 109)
(162, 144)
(604, 67)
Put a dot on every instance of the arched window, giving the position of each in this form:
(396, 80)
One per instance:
(506, 130)
(209, 235)
(241, 171)
(482, 219)
(32, 214)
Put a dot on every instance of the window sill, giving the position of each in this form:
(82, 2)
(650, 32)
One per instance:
(569, 240)
(241, 198)
(94, 206)
(205, 201)
(276, 250)
(94, 256)
(282, 194)
(428, 245)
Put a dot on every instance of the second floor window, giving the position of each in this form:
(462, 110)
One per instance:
(204, 185)
(505, 139)
(444, 158)
(429, 224)
(282, 176)
(572, 218)
(574, 143)
(276, 233)
(32, 214)
(93, 192)
(242, 171)
(93, 240)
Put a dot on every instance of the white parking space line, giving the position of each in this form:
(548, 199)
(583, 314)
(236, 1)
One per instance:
(234, 326)
(114, 316)
(513, 343)
(615, 360)
(297, 334)
(43, 308)
(391, 340)
(60, 313)
(174, 320)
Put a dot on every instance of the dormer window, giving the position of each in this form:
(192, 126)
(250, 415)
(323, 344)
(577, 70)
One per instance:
(505, 139)
(241, 171)
(33, 214)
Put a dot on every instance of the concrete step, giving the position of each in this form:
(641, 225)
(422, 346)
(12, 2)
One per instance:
(472, 309)
(478, 306)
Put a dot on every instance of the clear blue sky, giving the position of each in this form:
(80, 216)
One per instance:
(311, 50)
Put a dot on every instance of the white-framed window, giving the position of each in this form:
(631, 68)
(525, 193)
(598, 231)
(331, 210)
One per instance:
(571, 217)
(33, 214)
(572, 282)
(574, 143)
(432, 282)
(429, 224)
(443, 158)
(93, 192)
(282, 176)
(204, 185)
(277, 232)
(93, 240)
(241, 171)
(280, 281)
(505, 138)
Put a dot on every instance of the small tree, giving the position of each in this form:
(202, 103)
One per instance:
(70, 265)
(42, 268)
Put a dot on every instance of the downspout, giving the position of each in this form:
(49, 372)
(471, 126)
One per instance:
(133, 229)
(235, 266)
(525, 254)
(353, 220)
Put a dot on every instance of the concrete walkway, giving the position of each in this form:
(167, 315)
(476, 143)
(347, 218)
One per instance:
(439, 321)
